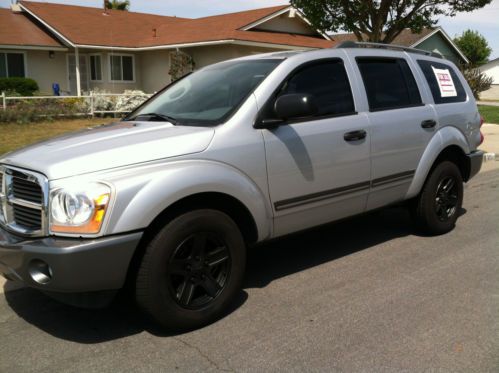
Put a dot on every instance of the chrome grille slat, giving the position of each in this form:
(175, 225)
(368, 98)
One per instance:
(23, 201)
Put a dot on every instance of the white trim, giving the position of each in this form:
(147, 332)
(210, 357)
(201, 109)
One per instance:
(279, 13)
(197, 44)
(25, 60)
(58, 34)
(33, 47)
(110, 78)
(101, 80)
(439, 29)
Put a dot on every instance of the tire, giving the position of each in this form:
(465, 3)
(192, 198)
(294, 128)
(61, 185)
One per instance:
(191, 270)
(436, 209)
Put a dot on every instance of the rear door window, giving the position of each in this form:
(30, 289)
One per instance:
(389, 83)
(444, 83)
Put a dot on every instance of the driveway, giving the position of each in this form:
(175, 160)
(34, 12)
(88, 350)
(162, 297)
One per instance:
(363, 295)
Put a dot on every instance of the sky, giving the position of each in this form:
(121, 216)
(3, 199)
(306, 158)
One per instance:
(485, 20)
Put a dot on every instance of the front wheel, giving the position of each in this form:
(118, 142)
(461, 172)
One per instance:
(191, 270)
(437, 208)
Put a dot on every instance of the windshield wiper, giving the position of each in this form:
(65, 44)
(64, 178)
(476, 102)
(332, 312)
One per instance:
(164, 117)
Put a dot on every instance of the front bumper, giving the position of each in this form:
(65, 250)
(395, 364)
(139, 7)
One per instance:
(68, 266)
(475, 160)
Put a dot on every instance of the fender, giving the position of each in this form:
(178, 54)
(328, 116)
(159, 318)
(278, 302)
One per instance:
(445, 137)
(142, 197)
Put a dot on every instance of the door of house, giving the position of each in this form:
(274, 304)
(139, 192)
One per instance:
(72, 73)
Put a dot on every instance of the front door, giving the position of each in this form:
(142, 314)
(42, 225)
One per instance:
(316, 172)
(72, 73)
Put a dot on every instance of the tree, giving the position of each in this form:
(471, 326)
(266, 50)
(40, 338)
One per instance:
(474, 47)
(381, 20)
(117, 4)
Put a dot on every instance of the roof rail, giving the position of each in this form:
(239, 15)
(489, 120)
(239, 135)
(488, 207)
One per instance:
(353, 44)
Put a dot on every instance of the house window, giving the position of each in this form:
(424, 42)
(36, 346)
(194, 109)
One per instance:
(95, 67)
(122, 68)
(12, 65)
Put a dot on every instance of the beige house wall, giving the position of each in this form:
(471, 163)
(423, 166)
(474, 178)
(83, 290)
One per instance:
(155, 66)
(46, 71)
(106, 83)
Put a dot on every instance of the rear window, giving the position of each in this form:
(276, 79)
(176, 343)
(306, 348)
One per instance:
(444, 83)
(389, 83)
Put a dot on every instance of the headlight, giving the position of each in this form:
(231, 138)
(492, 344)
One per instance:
(79, 209)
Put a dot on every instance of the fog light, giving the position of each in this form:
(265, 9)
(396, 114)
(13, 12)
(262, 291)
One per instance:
(40, 271)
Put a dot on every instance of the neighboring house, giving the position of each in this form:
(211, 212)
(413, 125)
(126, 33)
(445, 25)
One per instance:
(83, 48)
(434, 40)
(491, 69)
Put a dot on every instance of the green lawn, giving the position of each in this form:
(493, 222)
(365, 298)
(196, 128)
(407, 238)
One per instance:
(489, 113)
(13, 135)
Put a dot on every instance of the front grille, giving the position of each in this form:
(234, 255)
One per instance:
(23, 201)
(27, 217)
(26, 190)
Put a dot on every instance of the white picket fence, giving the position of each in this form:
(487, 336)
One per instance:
(91, 103)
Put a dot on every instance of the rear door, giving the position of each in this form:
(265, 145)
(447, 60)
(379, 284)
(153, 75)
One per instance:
(401, 126)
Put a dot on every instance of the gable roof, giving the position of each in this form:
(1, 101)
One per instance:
(84, 26)
(16, 29)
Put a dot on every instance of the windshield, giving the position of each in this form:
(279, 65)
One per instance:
(207, 97)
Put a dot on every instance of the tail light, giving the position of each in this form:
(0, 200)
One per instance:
(481, 121)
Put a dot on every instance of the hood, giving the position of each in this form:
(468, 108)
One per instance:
(109, 146)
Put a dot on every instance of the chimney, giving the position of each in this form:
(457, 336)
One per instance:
(104, 3)
(154, 32)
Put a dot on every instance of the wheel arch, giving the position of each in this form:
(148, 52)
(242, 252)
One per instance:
(448, 144)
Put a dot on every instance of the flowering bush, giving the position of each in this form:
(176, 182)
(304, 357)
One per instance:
(129, 103)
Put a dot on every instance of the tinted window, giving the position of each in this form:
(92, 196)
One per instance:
(328, 83)
(440, 96)
(389, 83)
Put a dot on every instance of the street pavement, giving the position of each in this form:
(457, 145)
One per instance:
(363, 295)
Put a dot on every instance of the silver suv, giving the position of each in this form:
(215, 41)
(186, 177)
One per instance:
(237, 153)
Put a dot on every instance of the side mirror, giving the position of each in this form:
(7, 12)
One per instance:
(295, 105)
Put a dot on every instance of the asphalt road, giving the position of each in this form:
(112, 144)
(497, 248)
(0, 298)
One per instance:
(363, 295)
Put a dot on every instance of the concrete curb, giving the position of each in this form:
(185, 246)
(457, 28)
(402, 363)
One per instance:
(487, 157)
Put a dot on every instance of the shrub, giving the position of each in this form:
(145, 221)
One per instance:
(28, 111)
(22, 86)
(477, 80)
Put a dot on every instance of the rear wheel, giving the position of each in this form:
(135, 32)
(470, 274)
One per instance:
(437, 208)
(191, 270)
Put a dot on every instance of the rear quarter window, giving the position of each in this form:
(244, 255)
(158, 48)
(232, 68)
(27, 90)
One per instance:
(444, 82)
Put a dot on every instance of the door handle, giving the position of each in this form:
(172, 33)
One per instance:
(428, 123)
(355, 135)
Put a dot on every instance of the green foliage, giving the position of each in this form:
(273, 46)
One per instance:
(28, 111)
(474, 46)
(380, 20)
(118, 5)
(19, 86)
(477, 80)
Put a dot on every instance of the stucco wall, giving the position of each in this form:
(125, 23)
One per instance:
(155, 66)
(492, 69)
(47, 71)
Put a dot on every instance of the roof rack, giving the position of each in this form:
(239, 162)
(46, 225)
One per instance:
(353, 44)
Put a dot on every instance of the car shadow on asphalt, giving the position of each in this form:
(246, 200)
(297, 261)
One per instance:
(266, 263)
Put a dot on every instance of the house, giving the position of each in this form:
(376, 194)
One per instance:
(491, 69)
(83, 48)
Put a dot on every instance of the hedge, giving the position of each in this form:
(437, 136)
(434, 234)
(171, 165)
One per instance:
(21, 86)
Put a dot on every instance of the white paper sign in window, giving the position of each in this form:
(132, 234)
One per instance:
(445, 82)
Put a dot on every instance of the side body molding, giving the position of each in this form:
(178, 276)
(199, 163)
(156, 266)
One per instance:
(445, 137)
(141, 198)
